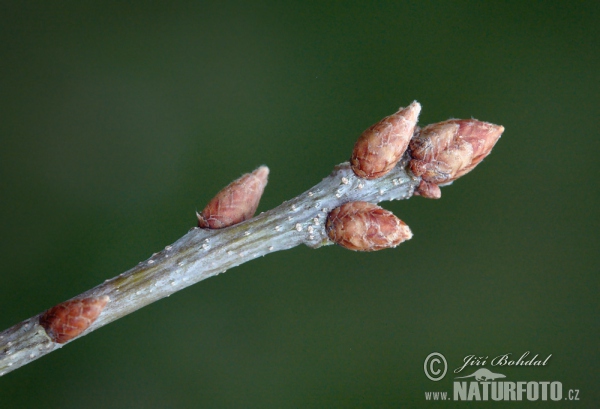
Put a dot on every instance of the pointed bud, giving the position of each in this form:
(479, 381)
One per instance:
(444, 151)
(482, 136)
(67, 320)
(236, 203)
(381, 146)
(363, 226)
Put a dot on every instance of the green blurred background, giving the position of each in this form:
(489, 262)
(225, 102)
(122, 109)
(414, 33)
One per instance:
(119, 119)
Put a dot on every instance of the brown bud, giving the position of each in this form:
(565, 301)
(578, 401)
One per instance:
(381, 146)
(482, 136)
(236, 203)
(363, 226)
(428, 190)
(67, 320)
(444, 151)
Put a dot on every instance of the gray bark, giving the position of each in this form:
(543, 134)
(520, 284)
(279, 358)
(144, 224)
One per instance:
(203, 253)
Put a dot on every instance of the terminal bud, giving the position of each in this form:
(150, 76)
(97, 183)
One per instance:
(444, 151)
(363, 226)
(67, 320)
(236, 202)
(381, 146)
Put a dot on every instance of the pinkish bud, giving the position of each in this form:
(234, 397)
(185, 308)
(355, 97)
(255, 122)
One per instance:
(428, 190)
(67, 320)
(381, 146)
(444, 151)
(236, 203)
(482, 136)
(363, 226)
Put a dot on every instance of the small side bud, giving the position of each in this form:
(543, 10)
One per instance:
(67, 320)
(444, 151)
(381, 146)
(235, 203)
(363, 226)
(428, 190)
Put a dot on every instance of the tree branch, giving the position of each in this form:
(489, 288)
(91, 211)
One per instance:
(203, 253)
(438, 154)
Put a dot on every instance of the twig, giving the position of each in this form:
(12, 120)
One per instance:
(203, 253)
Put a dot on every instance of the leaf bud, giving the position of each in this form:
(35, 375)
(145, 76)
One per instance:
(444, 151)
(236, 202)
(380, 147)
(67, 320)
(363, 226)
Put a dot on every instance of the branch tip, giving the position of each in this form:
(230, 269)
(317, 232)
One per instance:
(444, 151)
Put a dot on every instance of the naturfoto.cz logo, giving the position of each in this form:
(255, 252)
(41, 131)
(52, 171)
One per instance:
(484, 384)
